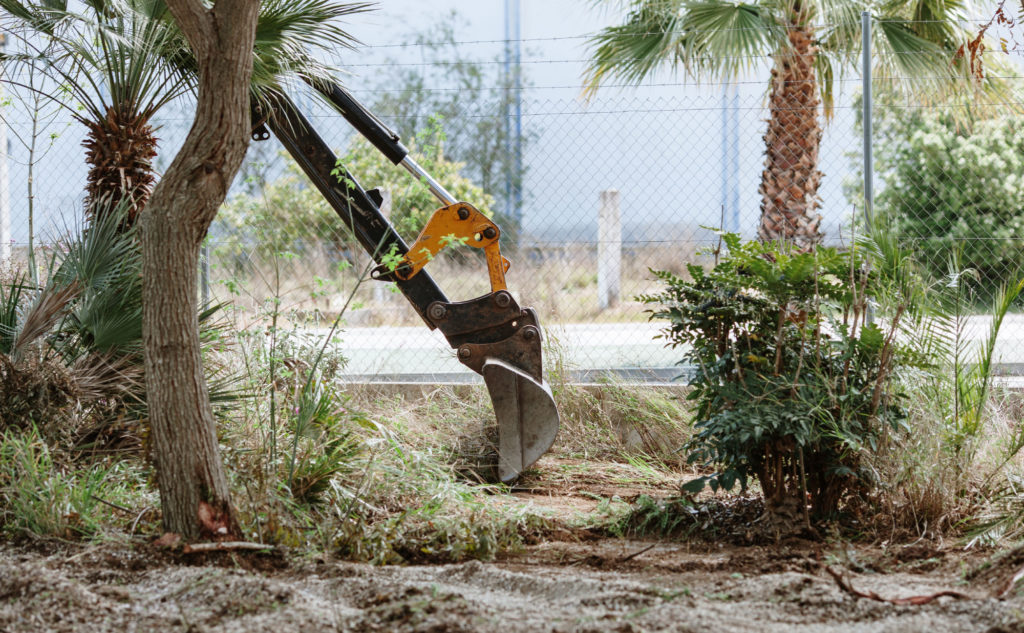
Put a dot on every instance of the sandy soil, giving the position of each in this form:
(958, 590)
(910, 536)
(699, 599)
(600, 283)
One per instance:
(579, 582)
(596, 585)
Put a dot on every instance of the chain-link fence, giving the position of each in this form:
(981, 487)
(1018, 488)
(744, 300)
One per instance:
(591, 195)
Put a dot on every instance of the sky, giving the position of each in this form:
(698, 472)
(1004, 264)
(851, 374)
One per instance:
(659, 145)
(666, 145)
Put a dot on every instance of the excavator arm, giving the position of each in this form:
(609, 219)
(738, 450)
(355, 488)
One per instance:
(492, 334)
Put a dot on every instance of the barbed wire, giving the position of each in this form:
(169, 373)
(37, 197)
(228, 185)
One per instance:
(538, 243)
(559, 38)
(669, 84)
(705, 58)
(582, 110)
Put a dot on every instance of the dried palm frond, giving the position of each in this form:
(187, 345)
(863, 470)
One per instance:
(47, 310)
(32, 392)
(106, 376)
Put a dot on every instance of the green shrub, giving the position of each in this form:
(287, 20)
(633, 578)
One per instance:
(791, 384)
(952, 187)
(289, 214)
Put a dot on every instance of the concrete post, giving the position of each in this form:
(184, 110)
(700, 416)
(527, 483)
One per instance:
(381, 292)
(609, 250)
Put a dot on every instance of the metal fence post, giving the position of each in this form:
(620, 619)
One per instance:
(609, 250)
(869, 194)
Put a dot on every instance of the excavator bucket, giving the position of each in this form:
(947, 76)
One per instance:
(526, 414)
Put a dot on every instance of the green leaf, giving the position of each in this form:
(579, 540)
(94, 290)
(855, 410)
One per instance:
(872, 338)
(694, 486)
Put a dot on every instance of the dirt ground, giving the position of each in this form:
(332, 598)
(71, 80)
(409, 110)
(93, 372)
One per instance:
(600, 585)
(581, 582)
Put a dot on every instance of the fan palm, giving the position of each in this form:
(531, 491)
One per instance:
(124, 60)
(809, 43)
(81, 331)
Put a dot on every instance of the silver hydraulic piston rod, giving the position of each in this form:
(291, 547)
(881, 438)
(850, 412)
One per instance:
(436, 188)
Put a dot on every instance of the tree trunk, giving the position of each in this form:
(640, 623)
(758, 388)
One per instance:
(120, 151)
(789, 183)
(193, 487)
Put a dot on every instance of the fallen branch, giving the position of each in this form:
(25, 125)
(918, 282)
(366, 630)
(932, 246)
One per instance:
(635, 554)
(845, 585)
(135, 523)
(599, 561)
(111, 504)
(1010, 584)
(225, 546)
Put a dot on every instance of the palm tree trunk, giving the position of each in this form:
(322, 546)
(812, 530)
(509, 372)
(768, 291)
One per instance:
(789, 183)
(119, 151)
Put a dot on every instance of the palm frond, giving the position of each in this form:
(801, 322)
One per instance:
(981, 370)
(907, 60)
(102, 254)
(46, 17)
(110, 320)
(104, 263)
(645, 40)
(112, 56)
(49, 308)
(841, 36)
(920, 56)
(100, 376)
(710, 38)
(293, 36)
(12, 295)
(725, 38)
(938, 20)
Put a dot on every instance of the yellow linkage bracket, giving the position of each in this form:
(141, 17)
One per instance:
(456, 223)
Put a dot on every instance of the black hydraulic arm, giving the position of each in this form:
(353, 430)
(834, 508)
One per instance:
(356, 207)
(382, 137)
(492, 334)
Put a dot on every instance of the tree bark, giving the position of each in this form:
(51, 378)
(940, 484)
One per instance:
(789, 183)
(194, 493)
(119, 152)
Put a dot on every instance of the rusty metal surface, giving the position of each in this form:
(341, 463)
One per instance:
(487, 319)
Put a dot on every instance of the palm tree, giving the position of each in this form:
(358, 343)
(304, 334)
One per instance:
(121, 62)
(109, 63)
(124, 60)
(809, 43)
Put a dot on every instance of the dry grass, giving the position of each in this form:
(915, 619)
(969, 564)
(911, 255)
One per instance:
(929, 489)
(613, 422)
(561, 284)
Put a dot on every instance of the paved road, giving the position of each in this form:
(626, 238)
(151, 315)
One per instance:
(417, 350)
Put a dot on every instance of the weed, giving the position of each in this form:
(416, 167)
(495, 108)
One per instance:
(39, 497)
(615, 420)
(963, 434)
